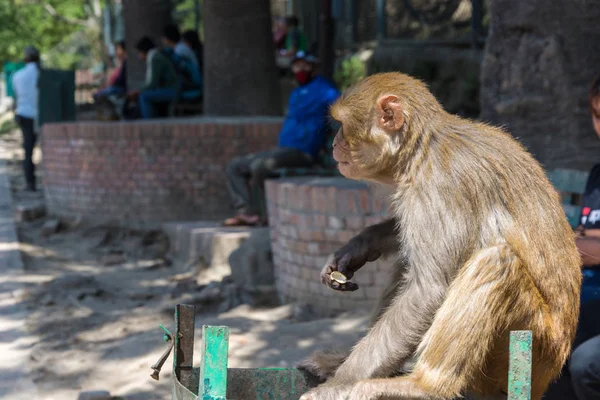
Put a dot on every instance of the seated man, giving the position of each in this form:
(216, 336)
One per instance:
(581, 378)
(161, 85)
(302, 136)
(172, 40)
(117, 82)
(184, 60)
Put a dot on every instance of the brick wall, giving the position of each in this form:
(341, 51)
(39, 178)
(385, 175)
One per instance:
(312, 217)
(147, 171)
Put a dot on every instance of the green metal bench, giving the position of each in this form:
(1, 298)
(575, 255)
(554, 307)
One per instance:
(215, 381)
(571, 185)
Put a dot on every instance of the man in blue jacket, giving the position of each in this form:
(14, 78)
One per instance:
(302, 137)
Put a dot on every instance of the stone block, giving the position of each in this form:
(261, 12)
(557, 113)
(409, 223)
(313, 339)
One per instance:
(51, 227)
(30, 212)
(95, 395)
(252, 263)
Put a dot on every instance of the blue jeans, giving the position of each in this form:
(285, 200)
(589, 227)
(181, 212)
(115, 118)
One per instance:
(148, 99)
(584, 367)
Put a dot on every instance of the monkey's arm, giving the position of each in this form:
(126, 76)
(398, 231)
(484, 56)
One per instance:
(393, 339)
(369, 245)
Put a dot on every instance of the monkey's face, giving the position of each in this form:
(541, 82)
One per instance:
(347, 164)
(366, 145)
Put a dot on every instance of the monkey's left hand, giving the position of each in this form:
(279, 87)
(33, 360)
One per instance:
(329, 392)
(347, 260)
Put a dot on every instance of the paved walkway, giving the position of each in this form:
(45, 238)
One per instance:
(14, 340)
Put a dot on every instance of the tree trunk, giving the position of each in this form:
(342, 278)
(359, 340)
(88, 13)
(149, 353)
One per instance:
(540, 59)
(239, 59)
(143, 18)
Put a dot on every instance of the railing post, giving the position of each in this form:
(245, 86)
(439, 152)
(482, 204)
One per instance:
(519, 370)
(183, 354)
(213, 368)
(381, 20)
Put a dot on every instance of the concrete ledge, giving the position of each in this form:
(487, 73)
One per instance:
(206, 243)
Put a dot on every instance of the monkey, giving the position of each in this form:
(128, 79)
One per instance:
(482, 245)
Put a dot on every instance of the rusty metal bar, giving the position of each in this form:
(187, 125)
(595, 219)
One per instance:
(183, 355)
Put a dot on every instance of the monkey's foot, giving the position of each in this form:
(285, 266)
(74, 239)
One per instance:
(329, 392)
(323, 364)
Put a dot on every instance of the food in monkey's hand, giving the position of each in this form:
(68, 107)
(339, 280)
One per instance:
(340, 282)
(338, 277)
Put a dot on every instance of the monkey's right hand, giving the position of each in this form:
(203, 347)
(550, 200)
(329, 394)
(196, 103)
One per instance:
(348, 260)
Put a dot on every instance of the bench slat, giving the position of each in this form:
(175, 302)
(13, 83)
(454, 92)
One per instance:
(569, 180)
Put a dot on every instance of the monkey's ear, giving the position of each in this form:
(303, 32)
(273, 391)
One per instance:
(389, 113)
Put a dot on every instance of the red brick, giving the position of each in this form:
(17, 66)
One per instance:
(108, 158)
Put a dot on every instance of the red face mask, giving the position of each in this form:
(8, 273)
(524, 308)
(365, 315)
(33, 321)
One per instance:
(303, 77)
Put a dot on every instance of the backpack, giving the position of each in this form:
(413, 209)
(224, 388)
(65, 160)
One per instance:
(186, 71)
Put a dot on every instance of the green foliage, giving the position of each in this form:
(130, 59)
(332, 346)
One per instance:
(7, 126)
(349, 71)
(185, 15)
(44, 24)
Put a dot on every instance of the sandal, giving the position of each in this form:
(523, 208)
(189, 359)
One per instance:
(242, 220)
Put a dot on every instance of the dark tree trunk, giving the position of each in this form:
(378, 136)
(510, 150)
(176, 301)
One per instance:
(239, 59)
(540, 59)
(143, 18)
(326, 50)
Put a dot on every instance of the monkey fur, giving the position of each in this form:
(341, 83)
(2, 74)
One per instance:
(482, 243)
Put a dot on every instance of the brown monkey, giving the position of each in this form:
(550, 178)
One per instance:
(484, 240)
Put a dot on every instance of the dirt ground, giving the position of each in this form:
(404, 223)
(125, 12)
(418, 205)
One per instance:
(96, 296)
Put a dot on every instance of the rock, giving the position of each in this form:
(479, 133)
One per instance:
(51, 227)
(73, 281)
(252, 269)
(47, 300)
(30, 212)
(141, 296)
(95, 395)
(261, 296)
(252, 263)
(303, 312)
(210, 294)
(231, 298)
(113, 259)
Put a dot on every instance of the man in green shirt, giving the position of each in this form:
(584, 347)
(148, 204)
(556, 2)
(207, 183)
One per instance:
(162, 83)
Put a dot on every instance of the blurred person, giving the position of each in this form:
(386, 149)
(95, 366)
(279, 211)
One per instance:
(279, 33)
(192, 40)
(24, 83)
(172, 40)
(302, 136)
(161, 85)
(117, 82)
(183, 58)
(581, 375)
(295, 39)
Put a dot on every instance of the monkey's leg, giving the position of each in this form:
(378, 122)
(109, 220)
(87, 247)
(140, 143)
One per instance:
(323, 363)
(393, 338)
(489, 294)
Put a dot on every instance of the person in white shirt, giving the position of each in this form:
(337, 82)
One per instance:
(24, 84)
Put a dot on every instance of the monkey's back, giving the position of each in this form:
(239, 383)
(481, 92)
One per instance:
(479, 188)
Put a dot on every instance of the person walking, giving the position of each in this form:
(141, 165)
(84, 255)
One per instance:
(24, 84)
